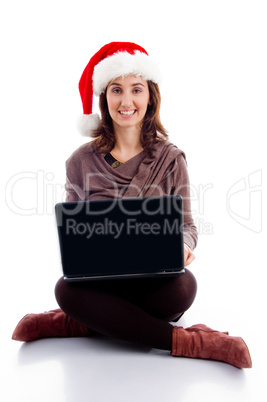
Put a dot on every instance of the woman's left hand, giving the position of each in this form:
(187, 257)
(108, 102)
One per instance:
(188, 255)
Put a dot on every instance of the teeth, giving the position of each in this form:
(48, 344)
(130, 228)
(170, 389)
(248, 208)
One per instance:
(127, 113)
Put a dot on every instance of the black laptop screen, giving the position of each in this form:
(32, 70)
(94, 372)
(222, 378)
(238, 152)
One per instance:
(119, 237)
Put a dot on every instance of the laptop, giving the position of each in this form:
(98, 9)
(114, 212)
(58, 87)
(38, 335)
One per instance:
(121, 238)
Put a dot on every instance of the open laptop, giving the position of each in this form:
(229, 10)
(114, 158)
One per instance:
(121, 238)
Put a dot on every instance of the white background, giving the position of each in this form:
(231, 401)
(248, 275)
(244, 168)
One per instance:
(212, 55)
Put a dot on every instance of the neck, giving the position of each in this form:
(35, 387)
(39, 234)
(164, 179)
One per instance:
(127, 143)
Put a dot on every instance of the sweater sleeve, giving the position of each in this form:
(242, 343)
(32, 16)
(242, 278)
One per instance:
(71, 194)
(181, 186)
(74, 185)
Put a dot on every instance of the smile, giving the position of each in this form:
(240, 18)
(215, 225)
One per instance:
(127, 112)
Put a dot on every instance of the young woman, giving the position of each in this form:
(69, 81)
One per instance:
(130, 156)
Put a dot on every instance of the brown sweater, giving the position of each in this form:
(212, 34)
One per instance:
(90, 177)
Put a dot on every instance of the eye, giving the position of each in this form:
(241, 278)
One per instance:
(137, 90)
(116, 90)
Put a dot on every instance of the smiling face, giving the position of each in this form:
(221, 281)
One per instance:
(127, 100)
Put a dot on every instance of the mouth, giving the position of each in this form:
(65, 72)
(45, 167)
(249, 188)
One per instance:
(127, 112)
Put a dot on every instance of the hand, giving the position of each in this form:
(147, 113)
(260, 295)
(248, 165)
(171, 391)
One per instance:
(188, 255)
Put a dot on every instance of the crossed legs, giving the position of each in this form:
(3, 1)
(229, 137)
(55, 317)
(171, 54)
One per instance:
(134, 310)
(138, 311)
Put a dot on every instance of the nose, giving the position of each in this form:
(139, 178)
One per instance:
(126, 100)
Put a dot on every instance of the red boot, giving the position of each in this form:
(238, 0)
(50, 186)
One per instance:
(51, 324)
(202, 342)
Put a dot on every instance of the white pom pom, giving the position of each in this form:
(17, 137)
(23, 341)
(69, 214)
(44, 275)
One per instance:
(86, 123)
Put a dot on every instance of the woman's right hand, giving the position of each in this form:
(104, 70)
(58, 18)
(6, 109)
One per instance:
(189, 256)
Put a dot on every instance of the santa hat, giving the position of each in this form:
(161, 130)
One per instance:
(116, 59)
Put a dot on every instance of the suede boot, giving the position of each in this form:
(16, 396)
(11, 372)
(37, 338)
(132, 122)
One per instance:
(51, 324)
(202, 342)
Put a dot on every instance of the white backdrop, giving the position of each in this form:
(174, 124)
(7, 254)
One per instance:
(212, 55)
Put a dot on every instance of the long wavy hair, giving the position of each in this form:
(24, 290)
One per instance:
(152, 130)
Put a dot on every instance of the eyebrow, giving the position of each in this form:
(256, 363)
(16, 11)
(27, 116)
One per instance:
(133, 85)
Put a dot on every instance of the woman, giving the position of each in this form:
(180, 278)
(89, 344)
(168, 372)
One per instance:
(130, 157)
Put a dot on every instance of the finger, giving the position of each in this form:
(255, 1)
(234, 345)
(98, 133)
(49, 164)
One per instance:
(189, 259)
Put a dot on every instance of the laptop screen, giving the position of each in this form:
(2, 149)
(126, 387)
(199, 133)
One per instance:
(121, 237)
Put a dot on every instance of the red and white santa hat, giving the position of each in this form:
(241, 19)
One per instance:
(116, 59)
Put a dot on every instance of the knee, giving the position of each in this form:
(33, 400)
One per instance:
(181, 291)
(186, 289)
(189, 288)
(61, 292)
(191, 282)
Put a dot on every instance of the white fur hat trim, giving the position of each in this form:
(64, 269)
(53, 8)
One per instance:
(123, 64)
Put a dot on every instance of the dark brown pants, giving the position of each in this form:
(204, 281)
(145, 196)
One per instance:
(134, 310)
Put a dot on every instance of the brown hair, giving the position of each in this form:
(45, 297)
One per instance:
(152, 130)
